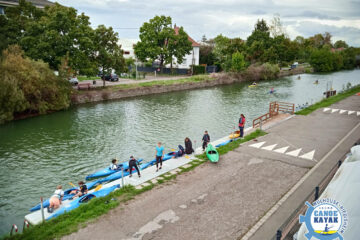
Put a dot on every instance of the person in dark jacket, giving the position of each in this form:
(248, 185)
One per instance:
(206, 140)
(133, 164)
(241, 125)
(188, 146)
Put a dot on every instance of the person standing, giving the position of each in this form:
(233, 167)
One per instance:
(241, 125)
(133, 163)
(188, 146)
(159, 155)
(206, 140)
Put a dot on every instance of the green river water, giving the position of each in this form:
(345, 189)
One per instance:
(39, 153)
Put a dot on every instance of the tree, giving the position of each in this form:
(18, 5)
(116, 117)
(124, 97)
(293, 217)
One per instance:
(340, 44)
(158, 41)
(276, 27)
(13, 24)
(109, 54)
(258, 41)
(321, 60)
(29, 86)
(58, 33)
(238, 62)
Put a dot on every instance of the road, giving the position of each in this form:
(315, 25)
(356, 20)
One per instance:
(224, 200)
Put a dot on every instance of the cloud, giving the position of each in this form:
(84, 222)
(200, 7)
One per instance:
(233, 18)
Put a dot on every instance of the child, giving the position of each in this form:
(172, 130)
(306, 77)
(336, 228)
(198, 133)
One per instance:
(56, 198)
(81, 191)
(114, 165)
(206, 140)
(133, 163)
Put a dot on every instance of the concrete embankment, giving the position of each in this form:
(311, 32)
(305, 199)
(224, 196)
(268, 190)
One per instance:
(97, 95)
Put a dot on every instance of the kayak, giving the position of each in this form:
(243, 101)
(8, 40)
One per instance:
(212, 153)
(46, 203)
(82, 200)
(252, 85)
(107, 171)
(272, 91)
(235, 134)
(67, 196)
(226, 142)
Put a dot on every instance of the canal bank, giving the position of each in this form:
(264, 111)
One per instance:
(142, 88)
(66, 146)
(225, 200)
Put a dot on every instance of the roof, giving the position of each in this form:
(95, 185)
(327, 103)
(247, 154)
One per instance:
(37, 3)
(193, 42)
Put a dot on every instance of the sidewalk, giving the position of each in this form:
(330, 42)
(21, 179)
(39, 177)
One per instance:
(224, 200)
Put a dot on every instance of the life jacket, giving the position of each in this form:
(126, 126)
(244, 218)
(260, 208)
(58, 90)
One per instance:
(241, 122)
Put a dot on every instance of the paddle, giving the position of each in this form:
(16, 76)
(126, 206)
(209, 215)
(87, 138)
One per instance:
(73, 185)
(98, 188)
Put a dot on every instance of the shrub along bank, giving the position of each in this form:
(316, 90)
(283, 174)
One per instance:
(70, 222)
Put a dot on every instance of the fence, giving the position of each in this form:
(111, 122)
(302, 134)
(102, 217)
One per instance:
(292, 223)
(180, 71)
(274, 109)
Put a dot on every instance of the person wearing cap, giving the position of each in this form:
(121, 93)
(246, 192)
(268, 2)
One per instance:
(133, 163)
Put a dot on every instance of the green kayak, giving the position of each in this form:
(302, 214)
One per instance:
(212, 153)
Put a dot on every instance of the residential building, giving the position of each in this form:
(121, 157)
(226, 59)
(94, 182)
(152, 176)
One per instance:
(12, 3)
(127, 45)
(189, 59)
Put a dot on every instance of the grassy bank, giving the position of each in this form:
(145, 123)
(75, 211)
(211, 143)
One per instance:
(70, 222)
(329, 101)
(83, 78)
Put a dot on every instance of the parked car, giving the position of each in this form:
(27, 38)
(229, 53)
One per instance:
(74, 81)
(110, 77)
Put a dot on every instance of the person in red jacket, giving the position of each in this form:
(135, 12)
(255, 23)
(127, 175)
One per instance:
(241, 125)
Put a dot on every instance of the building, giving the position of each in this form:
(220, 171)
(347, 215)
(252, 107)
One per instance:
(127, 45)
(12, 3)
(193, 57)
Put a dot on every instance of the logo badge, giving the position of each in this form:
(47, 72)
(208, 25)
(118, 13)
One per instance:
(326, 219)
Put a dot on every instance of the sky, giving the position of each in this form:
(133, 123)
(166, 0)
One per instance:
(228, 17)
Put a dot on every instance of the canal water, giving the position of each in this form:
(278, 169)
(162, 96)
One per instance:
(39, 153)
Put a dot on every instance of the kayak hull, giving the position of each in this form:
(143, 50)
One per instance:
(212, 154)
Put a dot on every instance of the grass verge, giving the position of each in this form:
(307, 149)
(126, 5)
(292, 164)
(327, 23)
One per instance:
(329, 101)
(83, 78)
(70, 222)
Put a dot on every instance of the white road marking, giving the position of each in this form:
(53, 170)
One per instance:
(156, 224)
(257, 145)
(342, 111)
(294, 153)
(358, 113)
(183, 206)
(326, 109)
(270, 147)
(309, 155)
(281, 150)
(334, 110)
(255, 161)
(350, 112)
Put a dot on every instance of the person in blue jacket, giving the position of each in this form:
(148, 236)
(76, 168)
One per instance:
(159, 154)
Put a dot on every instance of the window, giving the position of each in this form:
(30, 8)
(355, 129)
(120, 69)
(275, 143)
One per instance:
(127, 53)
(2, 10)
(184, 61)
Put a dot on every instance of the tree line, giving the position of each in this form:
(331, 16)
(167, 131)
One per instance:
(270, 44)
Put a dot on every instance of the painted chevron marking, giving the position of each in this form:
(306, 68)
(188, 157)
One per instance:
(257, 145)
(342, 111)
(270, 147)
(350, 112)
(309, 155)
(334, 110)
(294, 153)
(326, 109)
(281, 150)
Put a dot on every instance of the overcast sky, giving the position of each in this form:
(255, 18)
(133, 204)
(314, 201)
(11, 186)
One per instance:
(229, 17)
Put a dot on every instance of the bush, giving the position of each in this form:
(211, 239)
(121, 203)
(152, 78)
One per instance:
(198, 69)
(28, 86)
(237, 62)
(323, 60)
(266, 71)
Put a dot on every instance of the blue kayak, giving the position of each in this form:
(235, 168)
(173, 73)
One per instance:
(107, 171)
(226, 142)
(82, 200)
(46, 203)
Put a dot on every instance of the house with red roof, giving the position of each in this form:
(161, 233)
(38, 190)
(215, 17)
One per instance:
(190, 59)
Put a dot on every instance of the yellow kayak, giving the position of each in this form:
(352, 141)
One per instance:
(252, 85)
(235, 134)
